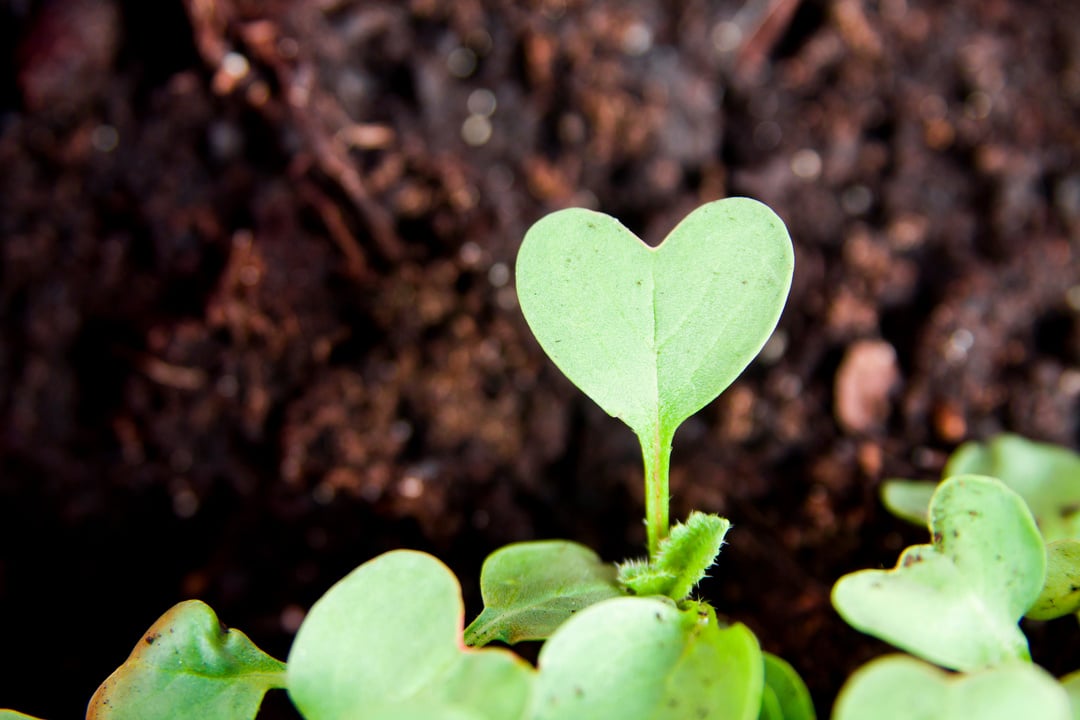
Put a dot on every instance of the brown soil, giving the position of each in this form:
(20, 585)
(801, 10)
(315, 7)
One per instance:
(258, 320)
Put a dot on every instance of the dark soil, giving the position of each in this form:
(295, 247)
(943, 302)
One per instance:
(258, 319)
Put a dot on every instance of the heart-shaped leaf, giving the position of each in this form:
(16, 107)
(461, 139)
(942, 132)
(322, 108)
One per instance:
(386, 642)
(785, 696)
(529, 589)
(956, 602)
(654, 334)
(1060, 595)
(902, 688)
(643, 659)
(188, 665)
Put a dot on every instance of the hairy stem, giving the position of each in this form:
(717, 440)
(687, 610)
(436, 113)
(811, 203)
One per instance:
(656, 451)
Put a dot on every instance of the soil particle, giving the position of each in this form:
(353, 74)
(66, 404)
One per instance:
(864, 382)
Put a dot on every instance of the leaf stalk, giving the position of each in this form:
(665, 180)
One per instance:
(656, 452)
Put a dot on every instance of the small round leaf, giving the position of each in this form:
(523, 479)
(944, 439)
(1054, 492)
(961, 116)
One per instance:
(386, 642)
(643, 659)
(531, 588)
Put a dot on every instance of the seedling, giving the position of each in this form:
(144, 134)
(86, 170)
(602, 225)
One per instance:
(956, 603)
(652, 335)
(1046, 477)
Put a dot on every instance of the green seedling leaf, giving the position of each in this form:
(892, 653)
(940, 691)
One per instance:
(785, 696)
(1060, 595)
(1071, 683)
(643, 659)
(1046, 476)
(529, 589)
(770, 705)
(909, 499)
(188, 665)
(956, 602)
(654, 334)
(386, 642)
(898, 687)
(682, 561)
(12, 715)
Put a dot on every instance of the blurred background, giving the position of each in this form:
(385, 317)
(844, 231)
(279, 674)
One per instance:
(258, 320)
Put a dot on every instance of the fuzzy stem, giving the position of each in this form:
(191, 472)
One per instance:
(656, 451)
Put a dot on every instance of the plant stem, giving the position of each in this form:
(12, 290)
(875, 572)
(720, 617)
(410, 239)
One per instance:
(656, 451)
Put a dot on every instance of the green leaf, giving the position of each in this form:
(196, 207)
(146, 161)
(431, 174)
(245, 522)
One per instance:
(642, 659)
(683, 560)
(956, 602)
(12, 715)
(188, 665)
(529, 589)
(654, 334)
(902, 688)
(770, 705)
(386, 642)
(788, 697)
(1060, 595)
(486, 687)
(1046, 476)
(908, 499)
(1071, 683)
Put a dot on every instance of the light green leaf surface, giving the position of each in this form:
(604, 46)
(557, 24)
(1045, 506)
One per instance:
(643, 659)
(1046, 476)
(386, 642)
(956, 602)
(909, 499)
(770, 705)
(788, 696)
(531, 588)
(12, 715)
(903, 688)
(188, 665)
(653, 334)
(1060, 595)
(1071, 683)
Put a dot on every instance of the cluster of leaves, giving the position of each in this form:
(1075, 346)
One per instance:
(1005, 529)
(652, 335)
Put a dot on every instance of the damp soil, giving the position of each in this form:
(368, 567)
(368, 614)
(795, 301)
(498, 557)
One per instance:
(258, 323)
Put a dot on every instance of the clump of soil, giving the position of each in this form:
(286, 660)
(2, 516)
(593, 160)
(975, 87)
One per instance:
(258, 319)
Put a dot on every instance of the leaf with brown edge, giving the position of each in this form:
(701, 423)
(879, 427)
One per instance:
(188, 665)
